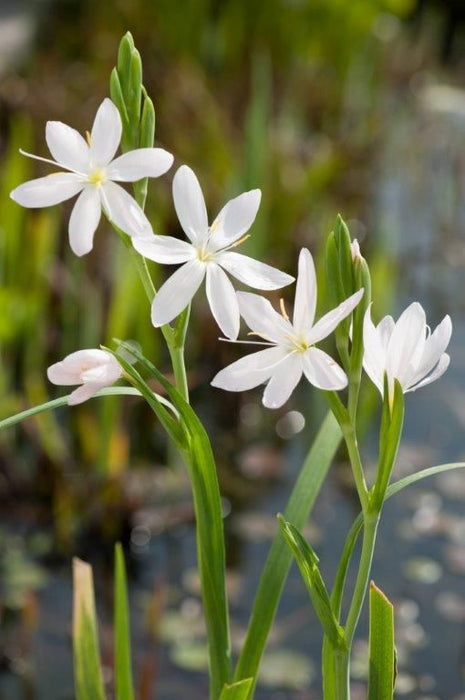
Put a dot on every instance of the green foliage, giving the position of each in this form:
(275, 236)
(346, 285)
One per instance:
(381, 675)
(276, 569)
(237, 691)
(308, 565)
(87, 667)
(123, 671)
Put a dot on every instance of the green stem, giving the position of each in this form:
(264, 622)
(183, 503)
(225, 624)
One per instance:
(370, 527)
(350, 438)
(341, 670)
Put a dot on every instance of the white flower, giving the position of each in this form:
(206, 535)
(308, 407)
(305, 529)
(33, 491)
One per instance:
(92, 172)
(293, 350)
(207, 255)
(93, 369)
(406, 350)
(355, 250)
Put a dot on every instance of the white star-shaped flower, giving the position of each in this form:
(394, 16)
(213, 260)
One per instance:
(292, 352)
(208, 254)
(92, 171)
(92, 368)
(406, 350)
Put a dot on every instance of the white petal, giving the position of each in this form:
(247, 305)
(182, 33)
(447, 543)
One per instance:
(223, 301)
(384, 329)
(249, 371)
(435, 346)
(142, 162)
(438, 371)
(84, 392)
(190, 204)
(164, 249)
(406, 344)
(374, 357)
(47, 191)
(67, 147)
(106, 133)
(262, 319)
(68, 371)
(305, 293)
(84, 221)
(124, 211)
(235, 219)
(177, 292)
(286, 376)
(252, 272)
(329, 321)
(322, 371)
(105, 374)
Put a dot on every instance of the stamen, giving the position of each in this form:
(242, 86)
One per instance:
(260, 335)
(283, 309)
(51, 162)
(88, 138)
(241, 240)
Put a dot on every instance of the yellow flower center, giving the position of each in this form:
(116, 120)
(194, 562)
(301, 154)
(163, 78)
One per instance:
(97, 177)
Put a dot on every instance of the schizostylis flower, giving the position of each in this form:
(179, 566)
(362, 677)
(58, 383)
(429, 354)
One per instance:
(292, 350)
(405, 350)
(92, 368)
(208, 254)
(89, 168)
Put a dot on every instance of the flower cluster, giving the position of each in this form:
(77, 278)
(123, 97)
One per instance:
(405, 351)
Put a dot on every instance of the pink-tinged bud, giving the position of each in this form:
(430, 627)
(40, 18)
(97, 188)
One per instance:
(93, 369)
(355, 250)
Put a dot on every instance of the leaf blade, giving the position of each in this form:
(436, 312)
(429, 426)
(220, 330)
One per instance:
(382, 654)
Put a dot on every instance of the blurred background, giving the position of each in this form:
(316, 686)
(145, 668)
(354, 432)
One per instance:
(327, 106)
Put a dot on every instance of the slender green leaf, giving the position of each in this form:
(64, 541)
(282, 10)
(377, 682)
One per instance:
(307, 561)
(382, 655)
(237, 691)
(87, 667)
(63, 401)
(123, 671)
(343, 241)
(210, 538)
(423, 474)
(279, 560)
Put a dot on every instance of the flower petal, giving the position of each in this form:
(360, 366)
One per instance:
(374, 357)
(262, 319)
(140, 163)
(106, 133)
(84, 220)
(177, 292)
(190, 204)
(84, 392)
(322, 371)
(47, 191)
(235, 219)
(223, 301)
(329, 321)
(249, 371)
(252, 272)
(286, 376)
(68, 371)
(435, 346)
(124, 211)
(67, 146)
(305, 293)
(438, 371)
(406, 344)
(164, 249)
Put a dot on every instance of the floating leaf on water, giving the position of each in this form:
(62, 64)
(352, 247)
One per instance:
(455, 558)
(451, 606)
(177, 628)
(190, 656)
(406, 610)
(290, 424)
(452, 485)
(261, 461)
(423, 570)
(286, 669)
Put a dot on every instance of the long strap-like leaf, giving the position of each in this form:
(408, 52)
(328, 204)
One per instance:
(279, 560)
